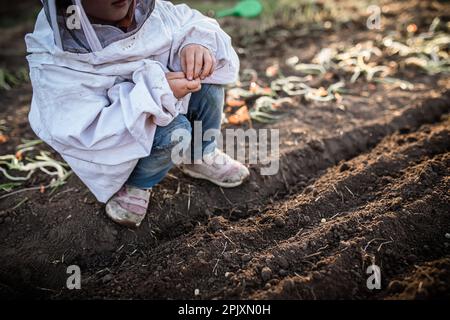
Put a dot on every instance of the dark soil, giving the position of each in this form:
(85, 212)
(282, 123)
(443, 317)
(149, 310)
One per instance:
(367, 183)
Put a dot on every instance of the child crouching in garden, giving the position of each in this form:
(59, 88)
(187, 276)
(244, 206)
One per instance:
(113, 79)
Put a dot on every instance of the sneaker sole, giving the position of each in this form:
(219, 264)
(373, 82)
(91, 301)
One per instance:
(197, 175)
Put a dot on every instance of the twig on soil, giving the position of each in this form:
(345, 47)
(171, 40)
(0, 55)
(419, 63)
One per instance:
(298, 233)
(226, 237)
(4, 212)
(338, 193)
(228, 200)
(316, 253)
(193, 244)
(334, 216)
(60, 193)
(350, 191)
(368, 243)
(24, 190)
(224, 248)
(189, 199)
(379, 247)
(284, 178)
(102, 270)
(214, 270)
(46, 289)
(19, 204)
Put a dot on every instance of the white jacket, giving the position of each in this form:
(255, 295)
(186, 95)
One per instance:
(99, 110)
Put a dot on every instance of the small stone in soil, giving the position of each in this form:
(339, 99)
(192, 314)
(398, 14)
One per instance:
(288, 284)
(266, 273)
(107, 278)
(282, 261)
(279, 222)
(308, 189)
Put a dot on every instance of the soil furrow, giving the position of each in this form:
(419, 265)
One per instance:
(387, 175)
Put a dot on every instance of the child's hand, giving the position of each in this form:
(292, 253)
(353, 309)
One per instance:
(197, 62)
(180, 85)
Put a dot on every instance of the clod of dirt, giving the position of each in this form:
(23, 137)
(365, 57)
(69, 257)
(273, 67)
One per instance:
(282, 272)
(246, 258)
(282, 262)
(344, 167)
(396, 287)
(288, 284)
(317, 145)
(217, 223)
(279, 222)
(266, 273)
(107, 278)
(308, 189)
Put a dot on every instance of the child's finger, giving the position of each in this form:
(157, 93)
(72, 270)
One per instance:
(192, 85)
(207, 66)
(175, 75)
(214, 64)
(199, 56)
(183, 62)
(190, 64)
(198, 88)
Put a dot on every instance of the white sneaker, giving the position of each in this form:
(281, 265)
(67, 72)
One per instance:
(219, 168)
(128, 206)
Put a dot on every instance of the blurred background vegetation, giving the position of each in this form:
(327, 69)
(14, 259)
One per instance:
(290, 13)
(17, 18)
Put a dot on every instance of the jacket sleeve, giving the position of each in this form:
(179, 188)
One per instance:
(189, 26)
(99, 115)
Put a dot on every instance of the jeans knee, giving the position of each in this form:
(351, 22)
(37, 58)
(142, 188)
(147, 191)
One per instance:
(214, 94)
(168, 136)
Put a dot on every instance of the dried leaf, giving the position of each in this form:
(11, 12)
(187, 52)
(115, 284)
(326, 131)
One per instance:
(240, 116)
(3, 138)
(235, 102)
(19, 155)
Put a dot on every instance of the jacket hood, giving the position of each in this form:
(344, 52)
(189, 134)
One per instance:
(73, 31)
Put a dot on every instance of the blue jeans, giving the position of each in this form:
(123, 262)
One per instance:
(206, 106)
